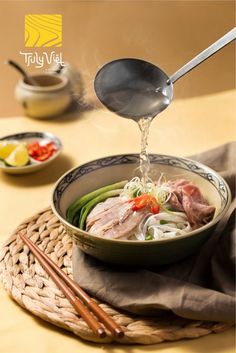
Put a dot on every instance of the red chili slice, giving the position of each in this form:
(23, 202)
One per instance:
(44, 156)
(155, 208)
(41, 152)
(147, 201)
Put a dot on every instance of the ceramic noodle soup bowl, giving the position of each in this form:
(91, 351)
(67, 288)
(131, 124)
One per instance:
(101, 172)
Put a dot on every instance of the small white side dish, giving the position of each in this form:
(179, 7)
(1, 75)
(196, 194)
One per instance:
(34, 165)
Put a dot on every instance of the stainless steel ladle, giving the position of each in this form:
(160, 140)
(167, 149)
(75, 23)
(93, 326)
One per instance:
(135, 88)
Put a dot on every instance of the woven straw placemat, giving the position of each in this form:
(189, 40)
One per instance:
(28, 284)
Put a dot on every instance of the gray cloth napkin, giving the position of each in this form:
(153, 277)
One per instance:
(201, 287)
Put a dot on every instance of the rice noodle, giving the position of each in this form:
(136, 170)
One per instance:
(175, 224)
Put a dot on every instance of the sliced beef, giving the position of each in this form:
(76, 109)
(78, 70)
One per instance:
(188, 198)
(114, 218)
(127, 228)
(100, 210)
(177, 195)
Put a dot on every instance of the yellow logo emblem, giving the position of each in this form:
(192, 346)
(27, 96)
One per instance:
(43, 31)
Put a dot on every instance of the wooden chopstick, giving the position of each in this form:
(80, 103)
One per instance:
(79, 307)
(111, 325)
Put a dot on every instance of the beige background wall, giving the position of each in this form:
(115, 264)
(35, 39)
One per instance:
(167, 33)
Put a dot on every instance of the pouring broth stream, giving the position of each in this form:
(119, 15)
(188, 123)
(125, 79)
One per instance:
(144, 126)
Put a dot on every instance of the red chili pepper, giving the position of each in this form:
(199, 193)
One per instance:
(154, 207)
(145, 200)
(43, 157)
(41, 152)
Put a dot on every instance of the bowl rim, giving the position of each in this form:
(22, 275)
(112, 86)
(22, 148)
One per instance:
(142, 242)
(63, 82)
(32, 134)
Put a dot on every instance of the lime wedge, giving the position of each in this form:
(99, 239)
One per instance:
(6, 148)
(18, 157)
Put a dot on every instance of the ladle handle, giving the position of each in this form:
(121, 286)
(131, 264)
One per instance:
(205, 54)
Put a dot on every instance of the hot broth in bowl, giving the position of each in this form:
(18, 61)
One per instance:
(165, 223)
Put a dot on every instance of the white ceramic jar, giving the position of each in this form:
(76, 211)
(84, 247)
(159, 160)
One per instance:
(49, 97)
